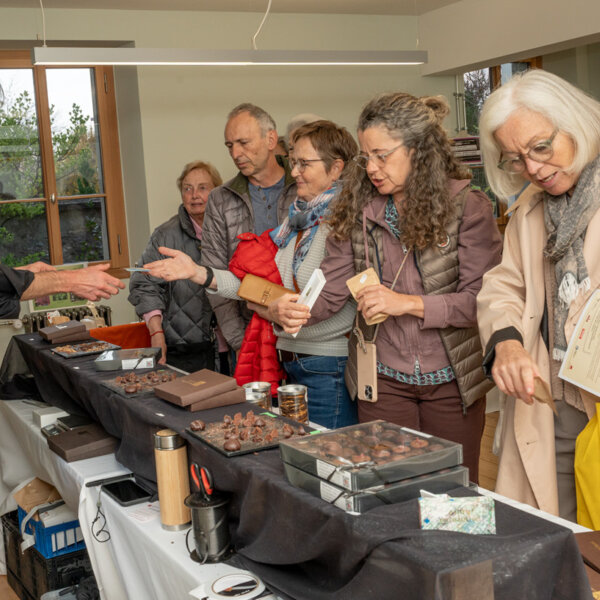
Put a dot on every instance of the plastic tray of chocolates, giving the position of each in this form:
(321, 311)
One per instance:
(245, 432)
(86, 349)
(140, 382)
(370, 454)
(438, 482)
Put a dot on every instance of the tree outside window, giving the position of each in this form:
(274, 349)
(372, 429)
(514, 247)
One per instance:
(60, 182)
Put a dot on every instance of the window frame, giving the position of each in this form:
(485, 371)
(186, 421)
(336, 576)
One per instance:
(110, 157)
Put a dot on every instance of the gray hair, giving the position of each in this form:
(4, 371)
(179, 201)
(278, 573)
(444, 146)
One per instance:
(263, 118)
(298, 121)
(568, 108)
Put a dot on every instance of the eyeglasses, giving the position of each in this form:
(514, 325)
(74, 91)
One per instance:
(541, 152)
(302, 163)
(362, 160)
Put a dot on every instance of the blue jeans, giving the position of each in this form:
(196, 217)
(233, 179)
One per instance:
(329, 403)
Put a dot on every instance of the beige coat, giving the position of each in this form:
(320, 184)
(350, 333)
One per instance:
(513, 295)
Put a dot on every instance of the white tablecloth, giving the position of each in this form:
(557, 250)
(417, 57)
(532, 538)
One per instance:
(141, 561)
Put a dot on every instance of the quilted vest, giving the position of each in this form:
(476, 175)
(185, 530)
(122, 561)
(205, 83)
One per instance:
(439, 271)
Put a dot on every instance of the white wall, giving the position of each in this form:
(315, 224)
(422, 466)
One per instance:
(480, 33)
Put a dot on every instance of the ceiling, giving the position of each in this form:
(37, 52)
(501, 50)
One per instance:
(366, 7)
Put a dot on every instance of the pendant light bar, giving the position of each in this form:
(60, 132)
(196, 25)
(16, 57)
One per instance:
(184, 56)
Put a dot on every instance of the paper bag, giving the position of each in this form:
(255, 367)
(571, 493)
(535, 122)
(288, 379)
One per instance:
(36, 492)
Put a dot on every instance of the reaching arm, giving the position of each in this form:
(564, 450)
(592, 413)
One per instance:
(91, 283)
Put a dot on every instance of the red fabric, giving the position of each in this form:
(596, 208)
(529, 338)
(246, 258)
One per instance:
(132, 335)
(257, 360)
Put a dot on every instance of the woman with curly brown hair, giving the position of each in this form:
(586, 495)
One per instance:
(408, 212)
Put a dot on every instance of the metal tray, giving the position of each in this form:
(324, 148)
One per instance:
(370, 454)
(360, 502)
(213, 435)
(83, 349)
(111, 384)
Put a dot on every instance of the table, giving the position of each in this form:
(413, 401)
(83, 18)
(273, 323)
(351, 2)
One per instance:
(301, 546)
(141, 560)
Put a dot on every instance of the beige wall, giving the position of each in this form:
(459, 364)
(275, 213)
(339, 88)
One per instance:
(481, 33)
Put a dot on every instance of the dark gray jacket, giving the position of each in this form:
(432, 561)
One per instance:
(186, 311)
(229, 213)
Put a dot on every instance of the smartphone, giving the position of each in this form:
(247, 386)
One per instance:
(50, 430)
(128, 492)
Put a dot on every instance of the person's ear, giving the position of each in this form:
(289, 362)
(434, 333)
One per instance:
(272, 138)
(337, 167)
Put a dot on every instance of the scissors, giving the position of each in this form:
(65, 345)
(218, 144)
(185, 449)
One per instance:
(203, 480)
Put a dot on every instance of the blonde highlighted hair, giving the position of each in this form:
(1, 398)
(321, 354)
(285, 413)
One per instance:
(200, 164)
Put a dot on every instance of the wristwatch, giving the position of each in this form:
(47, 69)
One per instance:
(209, 277)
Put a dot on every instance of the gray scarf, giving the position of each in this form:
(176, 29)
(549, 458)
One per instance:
(566, 221)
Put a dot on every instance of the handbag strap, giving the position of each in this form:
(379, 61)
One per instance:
(361, 339)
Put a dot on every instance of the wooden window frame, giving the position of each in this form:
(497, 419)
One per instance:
(110, 157)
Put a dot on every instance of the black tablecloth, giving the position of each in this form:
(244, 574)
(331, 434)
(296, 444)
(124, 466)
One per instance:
(300, 545)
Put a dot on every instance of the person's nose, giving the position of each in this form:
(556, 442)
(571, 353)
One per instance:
(532, 166)
(295, 171)
(235, 151)
(371, 168)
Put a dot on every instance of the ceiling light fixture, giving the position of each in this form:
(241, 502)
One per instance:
(186, 56)
(62, 56)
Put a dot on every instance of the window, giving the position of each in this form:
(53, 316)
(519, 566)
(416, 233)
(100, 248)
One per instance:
(61, 191)
(479, 85)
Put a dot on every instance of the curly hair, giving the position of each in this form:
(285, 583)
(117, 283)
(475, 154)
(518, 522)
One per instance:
(427, 207)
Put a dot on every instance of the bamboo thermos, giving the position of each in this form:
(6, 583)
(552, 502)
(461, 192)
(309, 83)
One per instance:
(170, 455)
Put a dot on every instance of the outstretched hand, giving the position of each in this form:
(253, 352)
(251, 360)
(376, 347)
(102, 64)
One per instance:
(178, 265)
(92, 283)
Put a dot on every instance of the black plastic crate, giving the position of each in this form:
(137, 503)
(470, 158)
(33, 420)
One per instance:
(33, 573)
(17, 587)
(12, 539)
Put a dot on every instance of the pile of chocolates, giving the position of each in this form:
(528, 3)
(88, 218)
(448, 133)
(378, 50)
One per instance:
(87, 348)
(373, 444)
(133, 383)
(245, 432)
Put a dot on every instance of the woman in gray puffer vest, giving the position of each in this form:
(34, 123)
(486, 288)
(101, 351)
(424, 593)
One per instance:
(178, 314)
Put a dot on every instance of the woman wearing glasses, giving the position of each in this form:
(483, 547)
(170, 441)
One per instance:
(410, 199)
(316, 357)
(540, 129)
(178, 315)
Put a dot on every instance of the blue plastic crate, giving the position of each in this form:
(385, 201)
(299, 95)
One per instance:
(55, 540)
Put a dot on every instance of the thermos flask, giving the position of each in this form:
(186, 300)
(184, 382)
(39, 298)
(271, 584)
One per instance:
(172, 477)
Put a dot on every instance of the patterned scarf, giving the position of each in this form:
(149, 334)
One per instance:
(304, 216)
(566, 221)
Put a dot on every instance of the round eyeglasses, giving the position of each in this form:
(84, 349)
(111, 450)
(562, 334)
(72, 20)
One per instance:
(540, 152)
(362, 160)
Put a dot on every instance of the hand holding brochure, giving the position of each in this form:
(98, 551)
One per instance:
(311, 290)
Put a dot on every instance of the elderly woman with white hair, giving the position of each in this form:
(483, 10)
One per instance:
(540, 129)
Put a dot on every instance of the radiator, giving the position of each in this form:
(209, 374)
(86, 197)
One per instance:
(36, 320)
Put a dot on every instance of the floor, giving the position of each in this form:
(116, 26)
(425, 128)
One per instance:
(488, 467)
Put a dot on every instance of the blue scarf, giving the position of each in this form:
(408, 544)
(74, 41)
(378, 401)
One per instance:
(304, 216)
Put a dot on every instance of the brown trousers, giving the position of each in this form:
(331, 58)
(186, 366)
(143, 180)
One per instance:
(433, 409)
